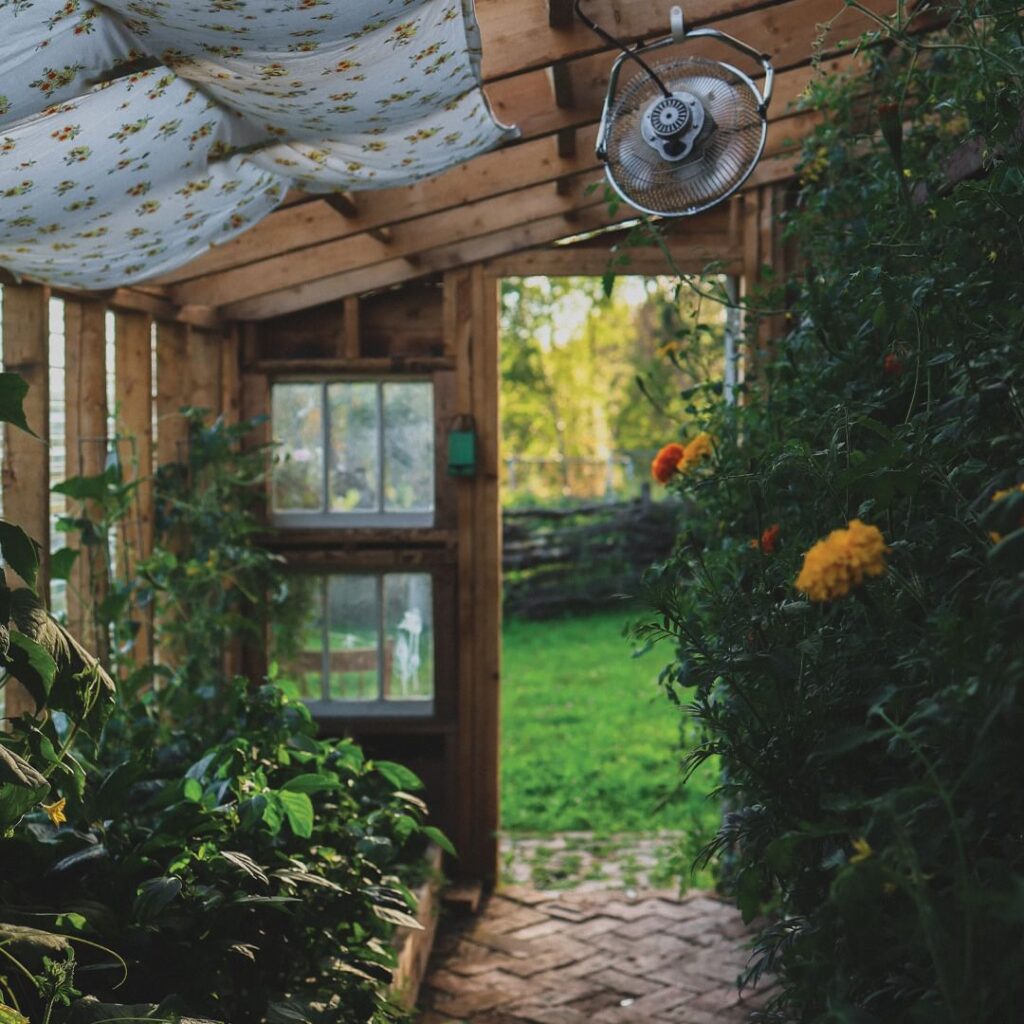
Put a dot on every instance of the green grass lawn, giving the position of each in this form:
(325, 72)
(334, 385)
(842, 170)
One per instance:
(589, 741)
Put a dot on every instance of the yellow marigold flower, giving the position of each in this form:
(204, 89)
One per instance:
(861, 851)
(697, 450)
(994, 536)
(55, 811)
(841, 561)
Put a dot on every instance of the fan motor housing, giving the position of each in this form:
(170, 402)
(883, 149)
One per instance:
(672, 124)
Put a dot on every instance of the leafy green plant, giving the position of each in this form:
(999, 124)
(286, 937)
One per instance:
(261, 883)
(870, 743)
(247, 869)
(72, 695)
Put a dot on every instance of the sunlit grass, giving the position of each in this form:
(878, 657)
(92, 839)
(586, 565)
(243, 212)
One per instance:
(589, 741)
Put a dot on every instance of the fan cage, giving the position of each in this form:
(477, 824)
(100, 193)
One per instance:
(726, 160)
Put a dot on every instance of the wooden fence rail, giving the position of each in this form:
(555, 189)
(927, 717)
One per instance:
(587, 557)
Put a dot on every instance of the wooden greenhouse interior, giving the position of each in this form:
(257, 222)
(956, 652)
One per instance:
(402, 285)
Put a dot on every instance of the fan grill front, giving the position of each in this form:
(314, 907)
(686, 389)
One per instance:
(722, 158)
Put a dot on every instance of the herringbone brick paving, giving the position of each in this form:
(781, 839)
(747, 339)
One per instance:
(591, 958)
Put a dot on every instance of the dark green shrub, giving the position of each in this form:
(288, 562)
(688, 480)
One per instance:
(262, 882)
(871, 744)
(240, 867)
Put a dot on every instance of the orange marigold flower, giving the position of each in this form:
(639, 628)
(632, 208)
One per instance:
(769, 540)
(698, 449)
(841, 561)
(666, 462)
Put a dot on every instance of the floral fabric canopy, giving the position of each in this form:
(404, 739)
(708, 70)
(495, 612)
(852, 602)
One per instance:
(134, 134)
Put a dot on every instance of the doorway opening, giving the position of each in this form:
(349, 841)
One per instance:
(595, 377)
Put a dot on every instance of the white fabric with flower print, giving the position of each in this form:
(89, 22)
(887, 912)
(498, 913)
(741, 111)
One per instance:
(137, 133)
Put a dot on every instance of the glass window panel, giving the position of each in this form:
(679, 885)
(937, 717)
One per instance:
(297, 415)
(408, 637)
(408, 447)
(353, 637)
(298, 645)
(355, 448)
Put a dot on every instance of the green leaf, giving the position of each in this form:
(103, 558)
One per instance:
(13, 390)
(154, 895)
(61, 563)
(21, 787)
(312, 782)
(298, 809)
(437, 836)
(398, 775)
(399, 917)
(85, 488)
(20, 551)
(11, 1016)
(32, 665)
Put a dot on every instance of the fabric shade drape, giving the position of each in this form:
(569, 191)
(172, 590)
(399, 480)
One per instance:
(134, 135)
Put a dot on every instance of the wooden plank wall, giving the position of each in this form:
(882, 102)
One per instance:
(85, 396)
(26, 467)
(194, 367)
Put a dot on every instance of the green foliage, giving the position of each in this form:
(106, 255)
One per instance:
(245, 869)
(870, 745)
(69, 689)
(284, 853)
(584, 391)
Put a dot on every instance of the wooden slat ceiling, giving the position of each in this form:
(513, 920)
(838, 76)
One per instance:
(550, 81)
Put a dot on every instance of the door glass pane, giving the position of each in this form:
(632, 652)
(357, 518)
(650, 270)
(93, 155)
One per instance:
(354, 454)
(298, 428)
(408, 447)
(354, 631)
(408, 637)
(298, 644)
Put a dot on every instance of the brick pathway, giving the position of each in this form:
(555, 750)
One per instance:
(582, 957)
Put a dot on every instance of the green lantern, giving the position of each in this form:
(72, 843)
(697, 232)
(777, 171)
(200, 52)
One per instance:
(462, 447)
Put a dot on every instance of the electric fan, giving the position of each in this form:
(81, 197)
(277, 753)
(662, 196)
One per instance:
(686, 132)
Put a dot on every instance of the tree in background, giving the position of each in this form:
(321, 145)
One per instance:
(583, 371)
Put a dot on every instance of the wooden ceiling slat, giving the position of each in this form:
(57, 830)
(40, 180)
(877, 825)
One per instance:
(712, 242)
(518, 36)
(348, 254)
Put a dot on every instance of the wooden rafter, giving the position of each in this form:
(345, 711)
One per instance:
(707, 238)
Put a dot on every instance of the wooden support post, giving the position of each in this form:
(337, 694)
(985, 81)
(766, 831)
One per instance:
(133, 388)
(471, 328)
(231, 374)
(350, 337)
(26, 469)
(172, 392)
(85, 418)
(202, 369)
(487, 575)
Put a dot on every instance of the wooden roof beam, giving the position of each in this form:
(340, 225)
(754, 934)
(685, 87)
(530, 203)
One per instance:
(343, 203)
(343, 255)
(707, 240)
(560, 13)
(518, 37)
(489, 176)
(326, 244)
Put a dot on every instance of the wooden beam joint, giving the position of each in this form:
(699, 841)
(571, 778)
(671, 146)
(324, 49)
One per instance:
(560, 13)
